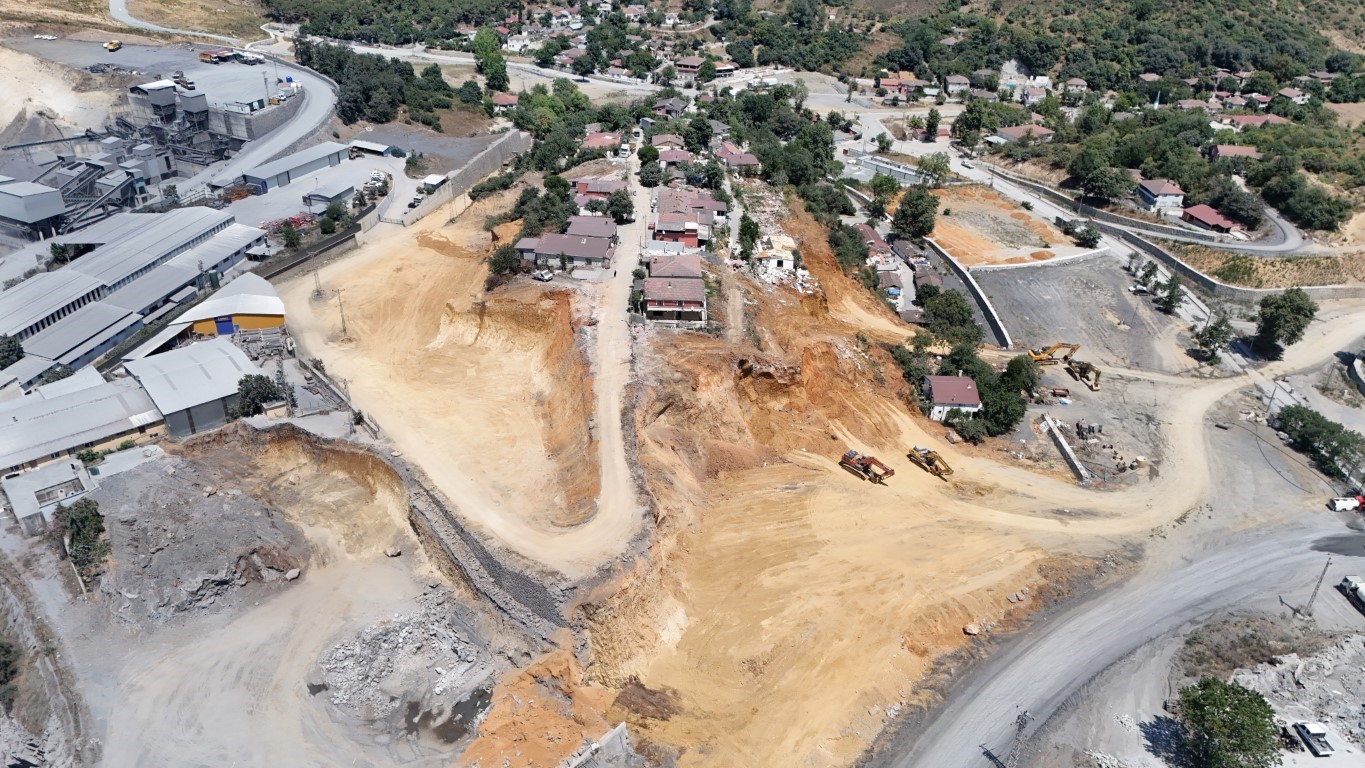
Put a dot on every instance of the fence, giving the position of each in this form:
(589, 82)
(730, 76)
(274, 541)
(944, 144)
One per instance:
(993, 320)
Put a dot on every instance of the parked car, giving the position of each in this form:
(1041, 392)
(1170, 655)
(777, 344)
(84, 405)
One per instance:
(543, 275)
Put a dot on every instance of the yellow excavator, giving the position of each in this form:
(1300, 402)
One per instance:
(1048, 356)
(929, 460)
(1084, 372)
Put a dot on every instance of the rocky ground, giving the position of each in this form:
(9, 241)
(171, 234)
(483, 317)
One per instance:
(426, 666)
(183, 543)
(1327, 686)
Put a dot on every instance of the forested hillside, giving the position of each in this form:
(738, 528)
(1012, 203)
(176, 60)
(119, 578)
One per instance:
(393, 22)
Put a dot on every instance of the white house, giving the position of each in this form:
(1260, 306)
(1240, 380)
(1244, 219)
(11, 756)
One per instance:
(945, 393)
(1161, 195)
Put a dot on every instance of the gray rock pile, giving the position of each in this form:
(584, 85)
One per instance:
(1328, 686)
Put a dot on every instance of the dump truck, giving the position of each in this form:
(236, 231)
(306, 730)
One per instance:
(866, 467)
(930, 461)
(1315, 736)
(1048, 355)
(112, 45)
(1347, 503)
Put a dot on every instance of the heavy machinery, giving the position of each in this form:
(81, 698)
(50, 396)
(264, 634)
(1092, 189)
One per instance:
(1084, 372)
(866, 467)
(112, 45)
(929, 460)
(1048, 356)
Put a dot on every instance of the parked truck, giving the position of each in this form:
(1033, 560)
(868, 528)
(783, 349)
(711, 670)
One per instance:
(1315, 736)
(1353, 587)
(1347, 503)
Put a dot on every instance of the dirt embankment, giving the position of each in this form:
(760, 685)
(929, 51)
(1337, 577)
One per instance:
(788, 609)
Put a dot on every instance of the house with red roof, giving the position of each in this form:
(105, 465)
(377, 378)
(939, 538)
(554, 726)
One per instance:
(1204, 216)
(946, 393)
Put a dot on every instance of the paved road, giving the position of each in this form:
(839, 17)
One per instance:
(119, 10)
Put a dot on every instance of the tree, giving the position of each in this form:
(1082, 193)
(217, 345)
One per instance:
(505, 260)
(469, 92)
(620, 207)
(1087, 236)
(81, 527)
(1282, 320)
(1107, 183)
(1169, 301)
(647, 153)
(1331, 446)
(650, 175)
(327, 226)
(915, 215)
(934, 167)
(884, 142)
(60, 252)
(1229, 726)
(253, 392)
(883, 185)
(748, 235)
(950, 317)
(11, 351)
(1214, 337)
(706, 72)
(56, 374)
(495, 73)
(290, 234)
(931, 126)
(1021, 374)
(1148, 274)
(486, 46)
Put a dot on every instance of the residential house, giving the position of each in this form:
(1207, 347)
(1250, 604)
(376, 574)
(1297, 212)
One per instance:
(670, 108)
(688, 66)
(1032, 95)
(520, 43)
(955, 84)
(1018, 132)
(1208, 218)
(662, 141)
(607, 141)
(505, 101)
(682, 228)
(566, 250)
(1161, 195)
(1242, 122)
(726, 68)
(1149, 77)
(671, 299)
(686, 201)
(719, 130)
(1294, 95)
(669, 157)
(597, 189)
(1194, 104)
(743, 161)
(568, 57)
(1258, 100)
(985, 95)
(1076, 85)
(946, 393)
(592, 226)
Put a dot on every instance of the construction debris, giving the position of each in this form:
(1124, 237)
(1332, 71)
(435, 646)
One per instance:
(1327, 687)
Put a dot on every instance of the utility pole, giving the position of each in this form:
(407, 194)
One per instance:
(345, 336)
(1308, 609)
(1016, 749)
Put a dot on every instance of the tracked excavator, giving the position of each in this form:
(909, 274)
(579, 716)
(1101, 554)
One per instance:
(930, 461)
(1084, 372)
(866, 467)
(1048, 356)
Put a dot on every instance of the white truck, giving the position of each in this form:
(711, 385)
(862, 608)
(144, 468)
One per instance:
(1315, 736)
(1347, 503)
(1353, 587)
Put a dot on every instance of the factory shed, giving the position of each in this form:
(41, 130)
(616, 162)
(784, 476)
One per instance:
(88, 333)
(278, 173)
(195, 386)
(40, 429)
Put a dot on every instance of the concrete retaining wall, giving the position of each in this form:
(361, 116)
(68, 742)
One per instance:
(997, 326)
(1072, 460)
(1087, 256)
(1215, 286)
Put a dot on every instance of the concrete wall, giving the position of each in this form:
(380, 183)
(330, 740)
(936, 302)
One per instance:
(1213, 285)
(1072, 460)
(463, 178)
(997, 326)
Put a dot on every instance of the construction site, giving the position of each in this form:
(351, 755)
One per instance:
(501, 520)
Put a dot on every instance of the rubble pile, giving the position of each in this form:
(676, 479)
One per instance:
(180, 544)
(1328, 686)
(427, 656)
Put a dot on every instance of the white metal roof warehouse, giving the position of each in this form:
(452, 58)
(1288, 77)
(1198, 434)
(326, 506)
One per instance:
(278, 173)
(40, 429)
(194, 386)
(154, 239)
(40, 300)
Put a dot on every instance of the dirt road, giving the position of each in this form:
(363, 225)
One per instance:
(1048, 664)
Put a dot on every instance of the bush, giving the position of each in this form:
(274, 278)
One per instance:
(253, 392)
(80, 527)
(1228, 726)
(10, 656)
(326, 226)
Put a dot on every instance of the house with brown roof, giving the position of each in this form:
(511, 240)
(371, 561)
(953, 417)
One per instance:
(1076, 85)
(592, 226)
(955, 84)
(607, 141)
(946, 393)
(669, 157)
(662, 141)
(566, 251)
(1242, 122)
(1294, 95)
(1160, 195)
(677, 265)
(1203, 216)
(504, 101)
(674, 299)
(687, 66)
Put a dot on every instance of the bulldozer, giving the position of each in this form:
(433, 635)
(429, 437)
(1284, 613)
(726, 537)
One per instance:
(1084, 372)
(1048, 356)
(866, 467)
(930, 461)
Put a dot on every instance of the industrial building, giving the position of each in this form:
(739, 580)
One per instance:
(278, 173)
(35, 496)
(142, 266)
(28, 209)
(195, 386)
(60, 419)
(248, 303)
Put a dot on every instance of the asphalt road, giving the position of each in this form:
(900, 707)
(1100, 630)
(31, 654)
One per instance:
(1041, 669)
(119, 10)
